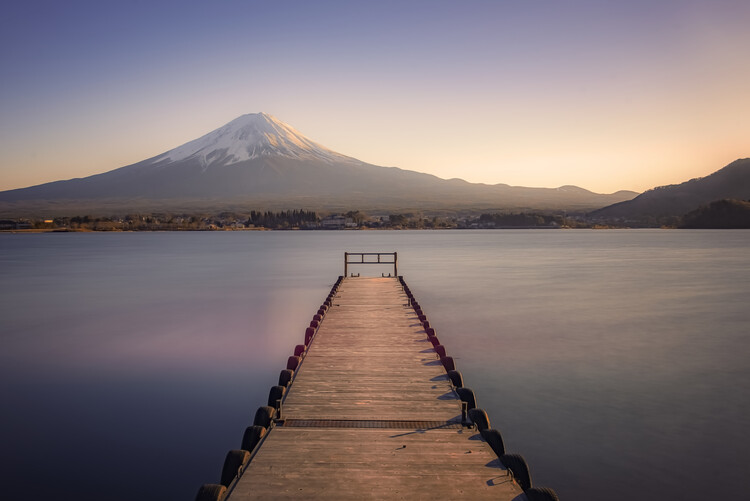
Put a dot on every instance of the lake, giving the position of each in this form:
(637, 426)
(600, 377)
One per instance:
(616, 362)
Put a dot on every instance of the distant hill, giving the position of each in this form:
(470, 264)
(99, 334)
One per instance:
(731, 182)
(722, 214)
(257, 161)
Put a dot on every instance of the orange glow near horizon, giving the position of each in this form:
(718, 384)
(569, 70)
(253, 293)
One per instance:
(605, 97)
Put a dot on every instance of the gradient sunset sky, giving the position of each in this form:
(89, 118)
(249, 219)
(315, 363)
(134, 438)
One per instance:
(606, 95)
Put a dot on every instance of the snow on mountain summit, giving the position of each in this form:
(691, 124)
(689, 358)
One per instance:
(253, 136)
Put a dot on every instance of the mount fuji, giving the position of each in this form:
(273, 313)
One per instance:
(257, 161)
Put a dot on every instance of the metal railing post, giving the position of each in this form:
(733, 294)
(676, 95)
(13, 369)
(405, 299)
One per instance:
(380, 258)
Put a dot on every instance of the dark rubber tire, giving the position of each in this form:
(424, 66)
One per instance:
(252, 436)
(314, 324)
(422, 318)
(299, 350)
(277, 393)
(457, 380)
(317, 317)
(541, 494)
(495, 440)
(264, 416)
(480, 418)
(211, 492)
(285, 377)
(467, 395)
(426, 325)
(309, 333)
(517, 464)
(293, 362)
(321, 312)
(430, 331)
(440, 350)
(323, 307)
(448, 363)
(235, 460)
(434, 340)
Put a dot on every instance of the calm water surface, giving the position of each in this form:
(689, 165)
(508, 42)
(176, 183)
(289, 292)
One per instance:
(616, 362)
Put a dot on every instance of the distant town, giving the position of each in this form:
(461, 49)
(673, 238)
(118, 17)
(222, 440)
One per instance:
(290, 220)
(719, 214)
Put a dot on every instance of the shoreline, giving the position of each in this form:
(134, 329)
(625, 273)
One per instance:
(221, 230)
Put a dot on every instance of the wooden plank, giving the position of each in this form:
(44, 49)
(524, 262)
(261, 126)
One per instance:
(371, 361)
(298, 463)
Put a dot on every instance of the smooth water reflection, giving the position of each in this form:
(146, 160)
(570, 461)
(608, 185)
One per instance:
(614, 361)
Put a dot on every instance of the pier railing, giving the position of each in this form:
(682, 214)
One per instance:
(367, 258)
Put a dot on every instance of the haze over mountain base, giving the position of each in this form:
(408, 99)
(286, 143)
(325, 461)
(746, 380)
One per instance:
(258, 162)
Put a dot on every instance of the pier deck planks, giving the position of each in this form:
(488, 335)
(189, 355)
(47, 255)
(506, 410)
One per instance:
(371, 361)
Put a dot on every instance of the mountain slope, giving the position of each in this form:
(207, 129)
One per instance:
(258, 160)
(722, 214)
(730, 182)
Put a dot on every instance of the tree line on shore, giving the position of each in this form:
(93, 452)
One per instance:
(275, 220)
(720, 214)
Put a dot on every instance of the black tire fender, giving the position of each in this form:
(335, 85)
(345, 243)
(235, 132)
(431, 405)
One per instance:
(211, 492)
(448, 363)
(293, 362)
(467, 395)
(253, 435)
(234, 461)
(517, 465)
(285, 377)
(480, 418)
(274, 395)
(457, 380)
(541, 494)
(264, 416)
(495, 440)
(440, 350)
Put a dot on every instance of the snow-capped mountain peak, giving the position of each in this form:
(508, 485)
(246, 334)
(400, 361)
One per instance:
(253, 136)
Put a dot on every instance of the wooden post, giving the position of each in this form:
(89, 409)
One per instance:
(346, 264)
(395, 264)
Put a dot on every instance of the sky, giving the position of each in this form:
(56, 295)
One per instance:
(606, 95)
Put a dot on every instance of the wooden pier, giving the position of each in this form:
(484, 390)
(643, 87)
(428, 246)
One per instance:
(370, 412)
